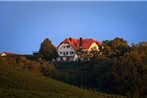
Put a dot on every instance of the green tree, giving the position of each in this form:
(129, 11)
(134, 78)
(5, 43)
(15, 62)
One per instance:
(115, 48)
(119, 45)
(47, 50)
(130, 70)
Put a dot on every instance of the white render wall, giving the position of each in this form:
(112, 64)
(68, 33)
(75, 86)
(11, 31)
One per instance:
(66, 50)
(3, 54)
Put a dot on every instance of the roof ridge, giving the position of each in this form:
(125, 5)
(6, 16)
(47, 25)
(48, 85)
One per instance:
(76, 42)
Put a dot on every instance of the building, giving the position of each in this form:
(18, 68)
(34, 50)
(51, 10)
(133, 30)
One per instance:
(7, 54)
(68, 49)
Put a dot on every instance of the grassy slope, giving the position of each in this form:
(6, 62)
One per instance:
(18, 83)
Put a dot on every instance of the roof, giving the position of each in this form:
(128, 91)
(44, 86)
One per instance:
(75, 43)
(8, 53)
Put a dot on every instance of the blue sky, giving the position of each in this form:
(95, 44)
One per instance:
(24, 25)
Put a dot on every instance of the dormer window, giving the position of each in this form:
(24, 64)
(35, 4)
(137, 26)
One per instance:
(68, 46)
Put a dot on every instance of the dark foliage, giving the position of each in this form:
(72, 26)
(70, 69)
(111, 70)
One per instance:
(47, 50)
(29, 63)
(121, 69)
(18, 83)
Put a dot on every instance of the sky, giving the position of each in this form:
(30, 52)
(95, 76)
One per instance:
(25, 24)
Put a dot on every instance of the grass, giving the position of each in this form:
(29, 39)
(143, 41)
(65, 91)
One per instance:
(18, 83)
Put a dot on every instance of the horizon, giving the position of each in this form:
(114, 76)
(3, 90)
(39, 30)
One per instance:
(24, 25)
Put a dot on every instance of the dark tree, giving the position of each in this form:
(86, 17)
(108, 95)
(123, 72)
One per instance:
(47, 50)
(115, 48)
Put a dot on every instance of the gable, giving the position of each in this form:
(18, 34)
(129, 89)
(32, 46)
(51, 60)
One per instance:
(64, 46)
(93, 46)
(3, 54)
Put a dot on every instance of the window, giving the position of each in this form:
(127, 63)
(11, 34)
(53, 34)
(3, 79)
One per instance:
(71, 52)
(63, 53)
(94, 47)
(68, 46)
(66, 53)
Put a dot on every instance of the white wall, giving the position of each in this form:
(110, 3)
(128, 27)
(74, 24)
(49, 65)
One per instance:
(3, 54)
(66, 50)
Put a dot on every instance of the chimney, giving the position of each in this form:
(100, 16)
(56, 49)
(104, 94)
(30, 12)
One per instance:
(70, 38)
(81, 41)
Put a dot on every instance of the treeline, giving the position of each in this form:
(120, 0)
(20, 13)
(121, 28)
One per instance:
(118, 68)
(36, 65)
(41, 63)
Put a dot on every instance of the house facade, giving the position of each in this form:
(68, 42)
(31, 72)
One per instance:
(68, 49)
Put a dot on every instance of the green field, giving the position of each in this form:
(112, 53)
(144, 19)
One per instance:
(18, 83)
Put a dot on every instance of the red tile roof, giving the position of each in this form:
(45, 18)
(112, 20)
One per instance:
(75, 43)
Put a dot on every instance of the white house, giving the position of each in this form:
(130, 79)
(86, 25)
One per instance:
(68, 48)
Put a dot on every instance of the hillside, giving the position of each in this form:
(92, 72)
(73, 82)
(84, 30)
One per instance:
(18, 83)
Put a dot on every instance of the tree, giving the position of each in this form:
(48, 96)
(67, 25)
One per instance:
(47, 50)
(130, 70)
(115, 48)
(119, 45)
